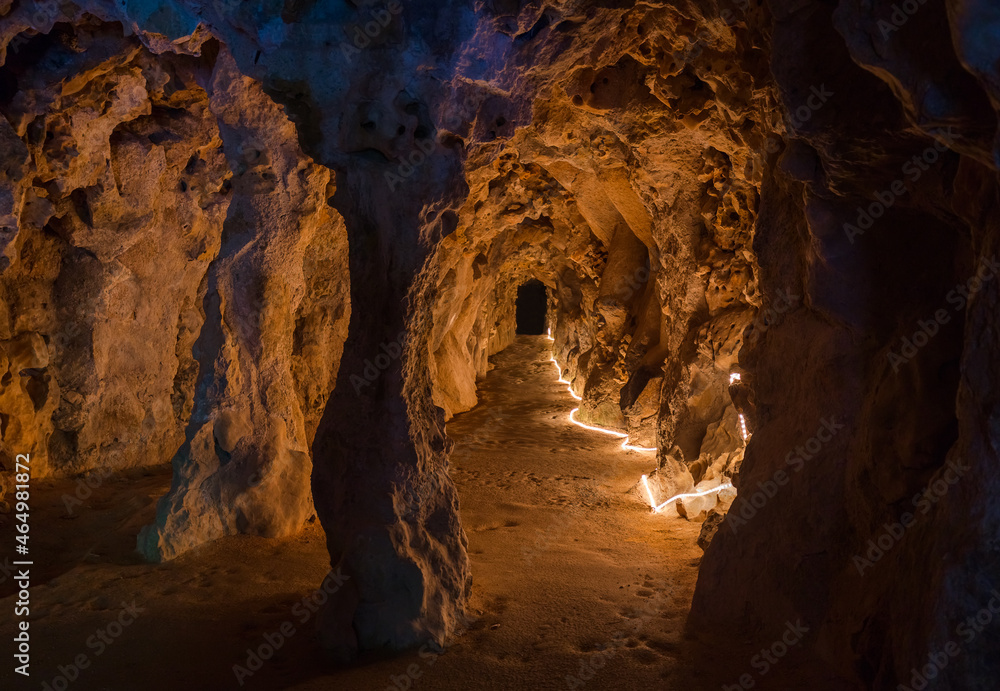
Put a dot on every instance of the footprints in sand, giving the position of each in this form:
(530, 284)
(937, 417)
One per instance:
(562, 489)
(559, 490)
(494, 526)
(643, 636)
(551, 527)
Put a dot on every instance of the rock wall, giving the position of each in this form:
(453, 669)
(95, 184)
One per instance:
(172, 285)
(99, 225)
(645, 150)
(796, 191)
(275, 313)
(874, 407)
(462, 171)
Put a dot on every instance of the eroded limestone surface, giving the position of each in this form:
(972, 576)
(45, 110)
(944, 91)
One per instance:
(790, 190)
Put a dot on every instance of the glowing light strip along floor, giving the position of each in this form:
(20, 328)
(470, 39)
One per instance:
(569, 386)
(703, 493)
(629, 447)
(620, 435)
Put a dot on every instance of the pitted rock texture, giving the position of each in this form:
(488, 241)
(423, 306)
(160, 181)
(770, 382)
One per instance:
(789, 190)
(654, 283)
(173, 282)
(103, 224)
(275, 311)
(880, 212)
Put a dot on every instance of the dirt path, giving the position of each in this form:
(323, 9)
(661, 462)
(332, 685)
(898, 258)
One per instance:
(575, 582)
(579, 579)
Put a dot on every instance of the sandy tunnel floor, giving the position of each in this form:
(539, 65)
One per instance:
(579, 579)
(576, 583)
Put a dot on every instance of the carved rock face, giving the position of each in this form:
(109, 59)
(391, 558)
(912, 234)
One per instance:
(278, 245)
(175, 265)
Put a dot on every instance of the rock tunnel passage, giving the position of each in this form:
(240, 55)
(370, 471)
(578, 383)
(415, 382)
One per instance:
(567, 564)
(273, 247)
(575, 581)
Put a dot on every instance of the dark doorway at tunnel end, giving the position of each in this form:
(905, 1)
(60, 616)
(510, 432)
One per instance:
(532, 303)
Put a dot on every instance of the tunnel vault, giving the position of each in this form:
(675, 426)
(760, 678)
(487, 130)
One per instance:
(234, 239)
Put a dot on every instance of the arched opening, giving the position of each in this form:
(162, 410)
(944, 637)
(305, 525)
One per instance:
(532, 303)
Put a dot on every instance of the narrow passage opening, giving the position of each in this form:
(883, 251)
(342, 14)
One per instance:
(532, 303)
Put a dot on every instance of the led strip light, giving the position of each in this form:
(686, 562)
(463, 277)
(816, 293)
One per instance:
(572, 415)
(668, 502)
(630, 447)
(620, 435)
(743, 428)
(735, 377)
(569, 386)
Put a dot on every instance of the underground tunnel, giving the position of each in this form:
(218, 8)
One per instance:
(462, 345)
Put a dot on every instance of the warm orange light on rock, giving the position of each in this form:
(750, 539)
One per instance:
(621, 435)
(668, 502)
(569, 386)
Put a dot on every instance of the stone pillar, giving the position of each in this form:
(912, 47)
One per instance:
(380, 475)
